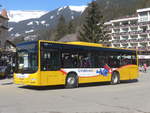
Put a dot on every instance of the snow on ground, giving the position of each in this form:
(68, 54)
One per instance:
(43, 22)
(37, 22)
(58, 13)
(47, 25)
(10, 29)
(51, 17)
(30, 37)
(78, 8)
(60, 9)
(30, 23)
(29, 31)
(17, 34)
(72, 17)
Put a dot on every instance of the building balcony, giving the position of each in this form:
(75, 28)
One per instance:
(126, 26)
(144, 23)
(123, 41)
(148, 48)
(124, 45)
(116, 45)
(132, 41)
(133, 25)
(116, 41)
(143, 43)
(144, 39)
(131, 33)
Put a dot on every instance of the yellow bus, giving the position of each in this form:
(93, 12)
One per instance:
(45, 63)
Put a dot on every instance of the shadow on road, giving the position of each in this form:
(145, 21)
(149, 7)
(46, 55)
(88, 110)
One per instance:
(63, 87)
(43, 87)
(59, 87)
(8, 83)
(129, 81)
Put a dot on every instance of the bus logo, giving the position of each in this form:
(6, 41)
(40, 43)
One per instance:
(104, 71)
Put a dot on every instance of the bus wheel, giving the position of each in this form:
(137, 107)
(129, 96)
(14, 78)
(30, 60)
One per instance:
(115, 78)
(72, 80)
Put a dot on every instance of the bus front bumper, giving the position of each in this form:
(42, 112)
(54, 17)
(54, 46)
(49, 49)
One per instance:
(25, 79)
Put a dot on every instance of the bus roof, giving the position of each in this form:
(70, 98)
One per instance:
(87, 44)
(81, 44)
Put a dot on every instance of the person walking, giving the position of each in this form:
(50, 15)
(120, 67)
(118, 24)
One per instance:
(8, 71)
(145, 67)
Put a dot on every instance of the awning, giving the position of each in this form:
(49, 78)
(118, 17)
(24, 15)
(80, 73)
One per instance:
(144, 56)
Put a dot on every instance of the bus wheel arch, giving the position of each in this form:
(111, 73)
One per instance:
(115, 78)
(71, 80)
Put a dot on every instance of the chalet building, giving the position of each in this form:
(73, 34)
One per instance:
(3, 27)
(132, 32)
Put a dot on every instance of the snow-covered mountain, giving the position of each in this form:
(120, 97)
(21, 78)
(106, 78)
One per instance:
(78, 8)
(19, 15)
(44, 20)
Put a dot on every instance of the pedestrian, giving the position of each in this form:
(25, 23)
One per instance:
(8, 71)
(140, 68)
(145, 67)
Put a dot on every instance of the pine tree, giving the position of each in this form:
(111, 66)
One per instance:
(44, 34)
(93, 28)
(61, 29)
(71, 27)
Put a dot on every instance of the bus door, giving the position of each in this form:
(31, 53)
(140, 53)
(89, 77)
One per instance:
(50, 66)
(124, 67)
(134, 67)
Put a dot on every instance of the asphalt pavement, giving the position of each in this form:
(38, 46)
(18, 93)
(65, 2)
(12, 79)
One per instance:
(127, 97)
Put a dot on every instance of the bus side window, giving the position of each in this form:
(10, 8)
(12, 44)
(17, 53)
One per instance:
(45, 60)
(50, 60)
(55, 60)
(67, 61)
(99, 60)
(85, 60)
(76, 60)
(127, 59)
(134, 59)
(113, 62)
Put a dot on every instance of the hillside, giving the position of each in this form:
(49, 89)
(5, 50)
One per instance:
(46, 24)
(119, 8)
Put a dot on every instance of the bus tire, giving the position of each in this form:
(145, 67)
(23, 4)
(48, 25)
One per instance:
(72, 80)
(115, 78)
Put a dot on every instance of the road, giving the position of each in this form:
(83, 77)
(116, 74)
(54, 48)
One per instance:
(127, 97)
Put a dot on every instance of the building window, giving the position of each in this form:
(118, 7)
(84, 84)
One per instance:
(143, 17)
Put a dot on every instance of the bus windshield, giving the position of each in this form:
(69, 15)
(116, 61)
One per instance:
(27, 58)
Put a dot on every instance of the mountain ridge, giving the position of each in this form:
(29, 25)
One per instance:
(111, 9)
(48, 20)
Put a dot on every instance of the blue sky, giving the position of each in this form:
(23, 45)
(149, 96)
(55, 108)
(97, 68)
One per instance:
(39, 4)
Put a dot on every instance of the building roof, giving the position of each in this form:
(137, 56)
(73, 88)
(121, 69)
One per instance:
(124, 19)
(143, 10)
